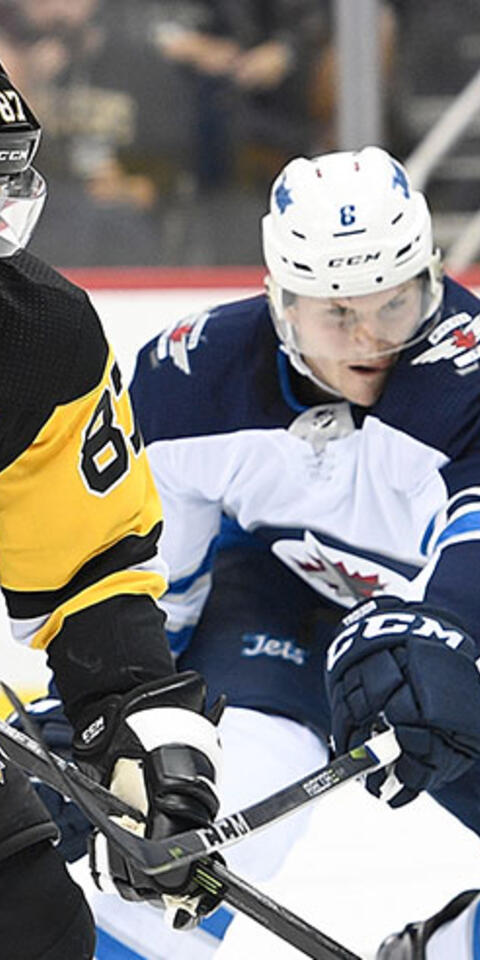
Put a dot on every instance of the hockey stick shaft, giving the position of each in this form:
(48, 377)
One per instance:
(155, 856)
(279, 920)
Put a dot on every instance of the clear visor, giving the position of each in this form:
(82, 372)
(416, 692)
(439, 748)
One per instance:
(356, 329)
(22, 197)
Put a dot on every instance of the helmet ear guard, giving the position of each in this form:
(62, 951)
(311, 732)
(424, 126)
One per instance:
(22, 190)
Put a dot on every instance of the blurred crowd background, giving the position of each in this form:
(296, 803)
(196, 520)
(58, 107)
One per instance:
(166, 120)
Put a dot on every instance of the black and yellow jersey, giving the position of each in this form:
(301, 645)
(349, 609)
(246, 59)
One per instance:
(79, 513)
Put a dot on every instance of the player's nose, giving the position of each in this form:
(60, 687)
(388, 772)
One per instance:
(367, 332)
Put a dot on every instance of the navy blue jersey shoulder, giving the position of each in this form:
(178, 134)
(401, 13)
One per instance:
(224, 378)
(433, 391)
(52, 346)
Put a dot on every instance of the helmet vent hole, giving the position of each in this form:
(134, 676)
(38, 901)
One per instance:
(335, 286)
(301, 236)
(397, 218)
(378, 279)
(302, 266)
(403, 251)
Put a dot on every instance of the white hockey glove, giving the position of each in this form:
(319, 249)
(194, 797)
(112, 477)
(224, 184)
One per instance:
(155, 748)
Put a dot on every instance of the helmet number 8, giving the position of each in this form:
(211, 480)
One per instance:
(347, 215)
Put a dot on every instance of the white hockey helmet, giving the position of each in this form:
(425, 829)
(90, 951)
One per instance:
(22, 189)
(346, 224)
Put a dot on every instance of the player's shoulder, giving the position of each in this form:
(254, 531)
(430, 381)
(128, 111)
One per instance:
(199, 342)
(25, 280)
(194, 376)
(49, 328)
(433, 392)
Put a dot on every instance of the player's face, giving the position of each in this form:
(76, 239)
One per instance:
(350, 343)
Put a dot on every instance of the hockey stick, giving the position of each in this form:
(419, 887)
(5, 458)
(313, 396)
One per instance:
(34, 756)
(115, 819)
(278, 919)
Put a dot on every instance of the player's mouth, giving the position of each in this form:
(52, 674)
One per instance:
(370, 369)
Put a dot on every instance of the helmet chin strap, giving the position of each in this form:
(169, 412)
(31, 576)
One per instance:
(297, 361)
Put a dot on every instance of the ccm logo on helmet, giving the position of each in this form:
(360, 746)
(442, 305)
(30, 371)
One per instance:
(353, 261)
(13, 155)
(386, 625)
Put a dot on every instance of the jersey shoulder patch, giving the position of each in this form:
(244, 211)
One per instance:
(456, 338)
(207, 373)
(433, 391)
(180, 338)
(211, 329)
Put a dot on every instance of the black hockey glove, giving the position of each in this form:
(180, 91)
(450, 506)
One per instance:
(410, 665)
(155, 748)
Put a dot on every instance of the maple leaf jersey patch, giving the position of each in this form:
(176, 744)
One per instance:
(179, 339)
(456, 339)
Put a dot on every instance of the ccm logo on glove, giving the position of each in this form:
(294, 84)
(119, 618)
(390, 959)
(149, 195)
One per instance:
(391, 625)
(411, 665)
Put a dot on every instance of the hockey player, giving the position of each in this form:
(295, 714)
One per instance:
(79, 522)
(316, 450)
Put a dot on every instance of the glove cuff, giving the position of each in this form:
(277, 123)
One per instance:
(159, 728)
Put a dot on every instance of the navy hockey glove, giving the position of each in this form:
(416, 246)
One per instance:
(58, 734)
(410, 665)
(155, 748)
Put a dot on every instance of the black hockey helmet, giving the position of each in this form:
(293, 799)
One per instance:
(20, 130)
(22, 189)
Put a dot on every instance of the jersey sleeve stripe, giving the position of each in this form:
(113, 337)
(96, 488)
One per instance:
(124, 582)
(129, 552)
(179, 639)
(469, 523)
(183, 584)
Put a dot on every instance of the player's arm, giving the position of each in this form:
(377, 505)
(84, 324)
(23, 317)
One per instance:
(189, 483)
(168, 392)
(417, 663)
(82, 578)
(451, 545)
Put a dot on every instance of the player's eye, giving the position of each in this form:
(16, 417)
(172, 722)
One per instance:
(398, 302)
(337, 311)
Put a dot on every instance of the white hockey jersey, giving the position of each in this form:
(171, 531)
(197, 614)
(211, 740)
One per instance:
(355, 502)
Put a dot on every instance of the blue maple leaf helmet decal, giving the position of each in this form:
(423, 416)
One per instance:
(282, 196)
(400, 180)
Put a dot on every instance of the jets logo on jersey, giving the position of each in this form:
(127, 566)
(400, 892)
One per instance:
(180, 338)
(339, 574)
(456, 339)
